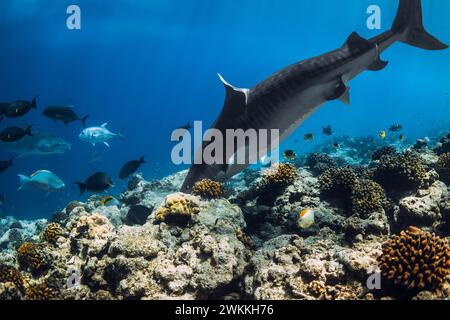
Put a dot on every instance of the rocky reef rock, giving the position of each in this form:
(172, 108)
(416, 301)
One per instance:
(423, 209)
(319, 267)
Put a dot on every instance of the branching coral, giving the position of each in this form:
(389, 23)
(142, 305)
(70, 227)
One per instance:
(178, 208)
(31, 255)
(320, 162)
(280, 175)
(11, 274)
(338, 182)
(52, 233)
(400, 171)
(443, 167)
(416, 260)
(384, 151)
(368, 197)
(208, 189)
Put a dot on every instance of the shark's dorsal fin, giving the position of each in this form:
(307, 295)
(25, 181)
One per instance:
(356, 41)
(236, 97)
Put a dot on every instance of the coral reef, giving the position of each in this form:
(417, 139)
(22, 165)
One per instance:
(279, 176)
(12, 275)
(368, 197)
(443, 167)
(320, 162)
(338, 182)
(31, 256)
(384, 151)
(400, 172)
(208, 189)
(52, 233)
(443, 145)
(416, 260)
(156, 243)
(178, 208)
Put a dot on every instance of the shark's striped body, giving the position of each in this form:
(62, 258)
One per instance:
(287, 98)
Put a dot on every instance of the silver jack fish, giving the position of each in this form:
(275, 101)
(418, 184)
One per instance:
(287, 98)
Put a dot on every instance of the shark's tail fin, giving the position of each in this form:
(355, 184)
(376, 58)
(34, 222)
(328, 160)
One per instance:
(409, 24)
(34, 103)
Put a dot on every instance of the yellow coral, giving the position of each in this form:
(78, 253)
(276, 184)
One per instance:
(52, 233)
(208, 189)
(30, 255)
(178, 206)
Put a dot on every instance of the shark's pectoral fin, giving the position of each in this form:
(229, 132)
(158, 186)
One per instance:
(236, 98)
(378, 65)
(341, 92)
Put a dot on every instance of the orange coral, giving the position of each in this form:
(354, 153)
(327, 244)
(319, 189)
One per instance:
(416, 259)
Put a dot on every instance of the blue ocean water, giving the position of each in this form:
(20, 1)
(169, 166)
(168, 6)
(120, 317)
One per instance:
(150, 67)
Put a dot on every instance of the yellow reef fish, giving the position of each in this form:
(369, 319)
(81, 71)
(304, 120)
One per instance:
(306, 219)
(383, 135)
(105, 200)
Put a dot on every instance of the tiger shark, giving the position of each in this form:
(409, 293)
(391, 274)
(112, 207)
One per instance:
(287, 98)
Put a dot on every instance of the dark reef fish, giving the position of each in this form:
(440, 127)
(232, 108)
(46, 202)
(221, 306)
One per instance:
(20, 108)
(309, 137)
(327, 131)
(14, 134)
(64, 114)
(5, 165)
(396, 128)
(130, 167)
(286, 99)
(96, 183)
(290, 155)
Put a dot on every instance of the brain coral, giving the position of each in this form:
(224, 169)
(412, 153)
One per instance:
(368, 197)
(280, 175)
(400, 171)
(208, 189)
(384, 151)
(443, 167)
(52, 233)
(178, 207)
(31, 256)
(416, 260)
(338, 182)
